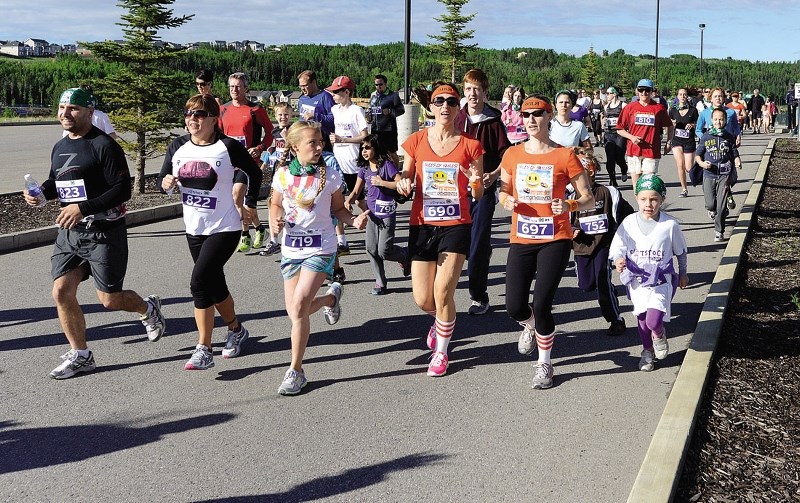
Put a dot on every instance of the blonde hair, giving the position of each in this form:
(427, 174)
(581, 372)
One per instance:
(587, 158)
(293, 137)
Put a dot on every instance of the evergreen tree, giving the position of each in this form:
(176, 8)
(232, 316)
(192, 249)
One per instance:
(590, 73)
(451, 44)
(145, 100)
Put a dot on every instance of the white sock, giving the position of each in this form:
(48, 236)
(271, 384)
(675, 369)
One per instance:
(83, 353)
(341, 239)
(444, 331)
(545, 345)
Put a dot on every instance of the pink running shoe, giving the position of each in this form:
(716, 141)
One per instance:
(438, 365)
(432, 337)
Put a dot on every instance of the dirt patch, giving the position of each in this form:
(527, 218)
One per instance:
(746, 445)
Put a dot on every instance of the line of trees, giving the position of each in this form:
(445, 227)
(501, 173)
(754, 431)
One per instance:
(541, 70)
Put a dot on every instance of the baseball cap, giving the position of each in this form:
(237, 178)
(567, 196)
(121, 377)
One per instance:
(77, 96)
(341, 82)
(645, 83)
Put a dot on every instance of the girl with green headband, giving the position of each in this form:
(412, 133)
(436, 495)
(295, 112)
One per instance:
(642, 250)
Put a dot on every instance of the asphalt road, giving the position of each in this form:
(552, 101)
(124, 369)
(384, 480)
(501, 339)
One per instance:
(371, 426)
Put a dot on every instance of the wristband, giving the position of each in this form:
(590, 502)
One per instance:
(572, 204)
(476, 185)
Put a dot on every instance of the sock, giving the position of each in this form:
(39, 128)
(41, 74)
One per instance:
(341, 239)
(246, 233)
(545, 345)
(84, 353)
(444, 330)
(260, 228)
(432, 313)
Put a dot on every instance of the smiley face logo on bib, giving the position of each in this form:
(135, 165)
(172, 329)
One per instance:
(531, 182)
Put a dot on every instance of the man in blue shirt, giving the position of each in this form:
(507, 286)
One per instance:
(315, 104)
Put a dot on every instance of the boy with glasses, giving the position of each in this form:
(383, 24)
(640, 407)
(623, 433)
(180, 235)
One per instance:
(642, 123)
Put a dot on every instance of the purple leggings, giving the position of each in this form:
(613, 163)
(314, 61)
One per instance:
(650, 321)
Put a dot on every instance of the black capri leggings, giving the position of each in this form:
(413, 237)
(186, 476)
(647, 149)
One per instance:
(210, 254)
(545, 262)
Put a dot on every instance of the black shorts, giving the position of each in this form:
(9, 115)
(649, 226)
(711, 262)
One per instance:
(105, 253)
(350, 180)
(388, 139)
(426, 242)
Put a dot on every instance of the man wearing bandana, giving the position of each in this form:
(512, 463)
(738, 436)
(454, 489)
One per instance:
(89, 176)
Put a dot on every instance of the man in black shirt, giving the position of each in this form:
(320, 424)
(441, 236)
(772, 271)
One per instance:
(90, 178)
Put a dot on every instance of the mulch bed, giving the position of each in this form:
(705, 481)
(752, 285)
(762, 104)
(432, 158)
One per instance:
(746, 445)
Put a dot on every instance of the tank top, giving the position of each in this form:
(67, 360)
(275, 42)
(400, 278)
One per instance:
(612, 115)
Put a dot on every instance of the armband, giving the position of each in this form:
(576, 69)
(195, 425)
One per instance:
(572, 204)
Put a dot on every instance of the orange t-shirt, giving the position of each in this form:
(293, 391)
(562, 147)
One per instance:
(738, 107)
(441, 193)
(537, 179)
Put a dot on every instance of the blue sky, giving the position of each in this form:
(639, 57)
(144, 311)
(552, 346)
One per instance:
(764, 30)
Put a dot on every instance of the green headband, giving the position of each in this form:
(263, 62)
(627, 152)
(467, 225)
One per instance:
(77, 96)
(651, 182)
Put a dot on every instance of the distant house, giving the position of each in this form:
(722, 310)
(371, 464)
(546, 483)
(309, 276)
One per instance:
(255, 46)
(263, 97)
(36, 46)
(14, 48)
(294, 98)
(218, 44)
(236, 45)
(283, 96)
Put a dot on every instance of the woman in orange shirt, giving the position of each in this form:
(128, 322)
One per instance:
(534, 178)
(443, 164)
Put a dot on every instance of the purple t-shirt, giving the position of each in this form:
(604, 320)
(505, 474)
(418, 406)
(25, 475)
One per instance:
(380, 200)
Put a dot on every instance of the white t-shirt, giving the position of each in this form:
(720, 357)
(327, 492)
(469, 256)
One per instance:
(348, 122)
(570, 135)
(309, 228)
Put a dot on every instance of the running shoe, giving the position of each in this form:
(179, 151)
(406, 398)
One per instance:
(406, 265)
(624, 177)
(526, 343)
(258, 240)
(478, 307)
(661, 346)
(233, 343)
(244, 244)
(379, 290)
(617, 327)
(684, 193)
(343, 250)
(719, 237)
(438, 365)
(201, 359)
(271, 249)
(154, 323)
(731, 203)
(646, 362)
(333, 313)
(544, 376)
(338, 275)
(431, 341)
(73, 364)
(712, 214)
(293, 382)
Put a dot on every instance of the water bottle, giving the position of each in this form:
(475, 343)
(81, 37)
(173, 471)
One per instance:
(35, 190)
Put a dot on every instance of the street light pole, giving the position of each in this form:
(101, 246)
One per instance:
(658, 15)
(702, 77)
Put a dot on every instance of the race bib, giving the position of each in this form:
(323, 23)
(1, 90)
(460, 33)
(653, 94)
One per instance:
(611, 122)
(204, 201)
(682, 133)
(297, 241)
(725, 168)
(71, 191)
(440, 194)
(535, 227)
(385, 208)
(241, 139)
(534, 183)
(644, 119)
(595, 224)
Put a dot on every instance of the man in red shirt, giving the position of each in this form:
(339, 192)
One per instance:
(249, 123)
(642, 123)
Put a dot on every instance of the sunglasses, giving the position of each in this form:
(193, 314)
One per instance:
(379, 85)
(196, 113)
(202, 84)
(451, 102)
(535, 113)
(644, 90)
(366, 147)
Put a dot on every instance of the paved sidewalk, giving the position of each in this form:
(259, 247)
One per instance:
(371, 426)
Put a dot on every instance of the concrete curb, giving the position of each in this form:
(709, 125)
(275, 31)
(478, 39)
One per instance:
(47, 235)
(661, 469)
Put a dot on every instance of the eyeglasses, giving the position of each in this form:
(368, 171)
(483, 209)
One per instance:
(451, 102)
(644, 90)
(202, 84)
(366, 147)
(196, 113)
(535, 113)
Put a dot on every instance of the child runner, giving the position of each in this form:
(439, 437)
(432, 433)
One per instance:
(593, 231)
(380, 176)
(717, 154)
(642, 251)
(270, 159)
(304, 195)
